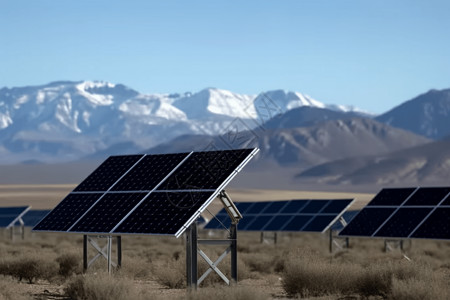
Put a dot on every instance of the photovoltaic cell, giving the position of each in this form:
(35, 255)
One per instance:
(436, 226)
(163, 213)
(313, 207)
(403, 222)
(294, 206)
(34, 216)
(427, 196)
(205, 170)
(107, 212)
(108, 173)
(150, 171)
(62, 217)
(391, 197)
(318, 223)
(367, 221)
(294, 215)
(414, 213)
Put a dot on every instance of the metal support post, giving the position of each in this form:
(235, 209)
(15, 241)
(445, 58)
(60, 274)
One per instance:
(12, 233)
(109, 248)
(233, 246)
(85, 254)
(191, 257)
(119, 251)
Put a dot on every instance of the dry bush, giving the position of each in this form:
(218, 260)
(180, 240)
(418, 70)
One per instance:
(415, 289)
(69, 263)
(29, 267)
(101, 287)
(226, 293)
(135, 268)
(171, 274)
(264, 263)
(11, 290)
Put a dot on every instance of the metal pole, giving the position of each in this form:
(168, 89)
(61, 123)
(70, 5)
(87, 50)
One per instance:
(12, 233)
(109, 239)
(261, 240)
(188, 259)
(191, 257)
(22, 230)
(85, 255)
(194, 254)
(330, 246)
(119, 252)
(275, 238)
(233, 237)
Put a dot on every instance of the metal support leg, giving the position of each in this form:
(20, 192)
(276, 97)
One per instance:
(191, 257)
(330, 246)
(119, 251)
(12, 233)
(85, 254)
(22, 231)
(262, 237)
(109, 240)
(233, 237)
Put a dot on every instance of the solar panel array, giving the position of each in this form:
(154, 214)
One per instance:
(10, 215)
(146, 194)
(404, 213)
(293, 215)
(34, 216)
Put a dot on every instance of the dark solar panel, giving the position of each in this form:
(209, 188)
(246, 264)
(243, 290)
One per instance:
(314, 206)
(347, 216)
(391, 197)
(427, 196)
(120, 194)
(436, 226)
(150, 171)
(10, 215)
(163, 213)
(446, 201)
(418, 214)
(34, 216)
(63, 216)
(367, 221)
(205, 170)
(294, 206)
(335, 207)
(107, 212)
(275, 207)
(297, 223)
(243, 207)
(319, 223)
(108, 173)
(403, 222)
(293, 215)
(258, 207)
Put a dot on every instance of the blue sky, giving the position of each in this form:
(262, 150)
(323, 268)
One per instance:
(372, 54)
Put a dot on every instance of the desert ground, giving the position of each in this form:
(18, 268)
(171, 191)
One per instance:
(299, 265)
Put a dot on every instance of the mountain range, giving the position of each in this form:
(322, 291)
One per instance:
(323, 143)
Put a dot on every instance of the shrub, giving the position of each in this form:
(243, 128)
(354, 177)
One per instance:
(414, 289)
(171, 274)
(10, 290)
(100, 287)
(29, 268)
(68, 264)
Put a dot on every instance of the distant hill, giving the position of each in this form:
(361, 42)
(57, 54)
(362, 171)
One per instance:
(425, 164)
(427, 114)
(308, 146)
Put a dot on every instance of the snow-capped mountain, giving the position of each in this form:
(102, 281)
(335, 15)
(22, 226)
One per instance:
(67, 120)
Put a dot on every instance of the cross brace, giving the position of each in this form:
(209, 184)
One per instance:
(105, 251)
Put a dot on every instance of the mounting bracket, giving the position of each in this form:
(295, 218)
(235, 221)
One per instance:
(105, 251)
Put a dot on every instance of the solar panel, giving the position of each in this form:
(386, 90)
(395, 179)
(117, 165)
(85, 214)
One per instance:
(34, 216)
(10, 215)
(146, 194)
(404, 213)
(294, 215)
(205, 170)
(347, 216)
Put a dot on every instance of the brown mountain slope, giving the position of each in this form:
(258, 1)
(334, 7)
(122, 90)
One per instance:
(428, 164)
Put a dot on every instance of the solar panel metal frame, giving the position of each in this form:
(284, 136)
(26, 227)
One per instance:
(396, 209)
(154, 190)
(27, 208)
(291, 215)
